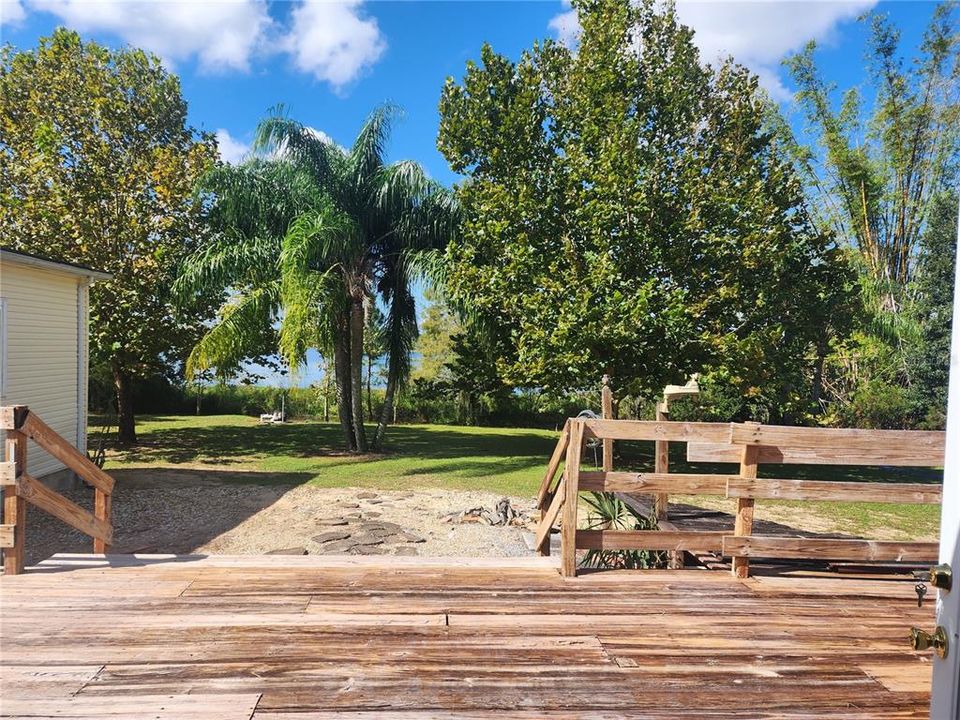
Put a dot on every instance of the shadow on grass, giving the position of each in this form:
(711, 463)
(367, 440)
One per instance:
(230, 444)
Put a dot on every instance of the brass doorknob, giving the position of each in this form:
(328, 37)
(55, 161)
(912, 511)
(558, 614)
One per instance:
(941, 576)
(922, 640)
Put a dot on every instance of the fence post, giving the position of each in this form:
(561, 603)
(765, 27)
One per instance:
(744, 522)
(571, 488)
(14, 506)
(606, 406)
(661, 464)
(101, 509)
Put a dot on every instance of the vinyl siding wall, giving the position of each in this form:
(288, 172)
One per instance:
(44, 315)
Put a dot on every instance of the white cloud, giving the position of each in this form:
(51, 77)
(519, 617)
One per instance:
(757, 33)
(232, 150)
(222, 34)
(333, 41)
(565, 25)
(11, 12)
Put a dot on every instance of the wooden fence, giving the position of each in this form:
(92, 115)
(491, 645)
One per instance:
(19, 488)
(750, 445)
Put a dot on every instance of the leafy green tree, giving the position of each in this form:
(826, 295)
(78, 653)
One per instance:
(935, 281)
(628, 212)
(434, 346)
(313, 235)
(97, 166)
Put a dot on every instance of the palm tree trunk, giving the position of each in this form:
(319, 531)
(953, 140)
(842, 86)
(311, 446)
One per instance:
(387, 411)
(356, 372)
(369, 396)
(341, 370)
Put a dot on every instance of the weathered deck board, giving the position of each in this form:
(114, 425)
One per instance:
(399, 638)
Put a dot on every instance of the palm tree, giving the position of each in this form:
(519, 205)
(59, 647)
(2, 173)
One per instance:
(348, 232)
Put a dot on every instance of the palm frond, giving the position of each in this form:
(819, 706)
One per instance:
(241, 325)
(366, 157)
(312, 285)
(292, 140)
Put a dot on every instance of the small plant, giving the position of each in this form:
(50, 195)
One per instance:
(608, 512)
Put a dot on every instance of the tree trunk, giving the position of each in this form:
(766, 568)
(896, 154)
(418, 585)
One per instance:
(369, 396)
(326, 390)
(341, 370)
(356, 372)
(816, 389)
(126, 422)
(388, 409)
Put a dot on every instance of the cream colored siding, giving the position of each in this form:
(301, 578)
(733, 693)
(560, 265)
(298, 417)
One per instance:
(43, 360)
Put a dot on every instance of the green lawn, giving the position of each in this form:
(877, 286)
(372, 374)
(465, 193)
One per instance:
(501, 460)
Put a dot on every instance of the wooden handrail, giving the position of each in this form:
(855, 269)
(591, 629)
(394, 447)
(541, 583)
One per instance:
(20, 488)
(44, 436)
(870, 447)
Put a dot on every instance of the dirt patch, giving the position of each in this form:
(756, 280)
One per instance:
(191, 511)
(353, 521)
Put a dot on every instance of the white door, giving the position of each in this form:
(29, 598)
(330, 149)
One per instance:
(945, 702)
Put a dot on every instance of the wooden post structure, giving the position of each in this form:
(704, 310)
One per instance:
(14, 506)
(606, 404)
(661, 464)
(101, 509)
(743, 525)
(571, 491)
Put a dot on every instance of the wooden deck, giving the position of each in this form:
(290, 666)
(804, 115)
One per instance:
(291, 638)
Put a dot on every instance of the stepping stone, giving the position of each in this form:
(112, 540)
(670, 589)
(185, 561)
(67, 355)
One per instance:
(383, 525)
(349, 505)
(412, 537)
(353, 516)
(369, 550)
(374, 501)
(288, 551)
(367, 495)
(330, 522)
(372, 514)
(337, 547)
(331, 536)
(405, 550)
(366, 540)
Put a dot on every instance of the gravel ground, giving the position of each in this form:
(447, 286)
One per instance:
(156, 512)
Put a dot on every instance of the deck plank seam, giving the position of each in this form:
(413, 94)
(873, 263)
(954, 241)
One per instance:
(87, 682)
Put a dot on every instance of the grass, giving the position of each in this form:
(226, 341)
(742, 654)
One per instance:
(502, 460)
(499, 460)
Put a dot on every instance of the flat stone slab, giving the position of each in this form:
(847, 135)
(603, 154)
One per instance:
(412, 537)
(368, 550)
(381, 526)
(337, 547)
(405, 550)
(367, 495)
(331, 536)
(330, 522)
(288, 551)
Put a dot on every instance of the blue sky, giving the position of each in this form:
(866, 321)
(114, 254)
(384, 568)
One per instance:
(331, 62)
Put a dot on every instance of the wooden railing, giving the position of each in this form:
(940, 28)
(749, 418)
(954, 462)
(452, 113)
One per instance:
(749, 444)
(19, 488)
